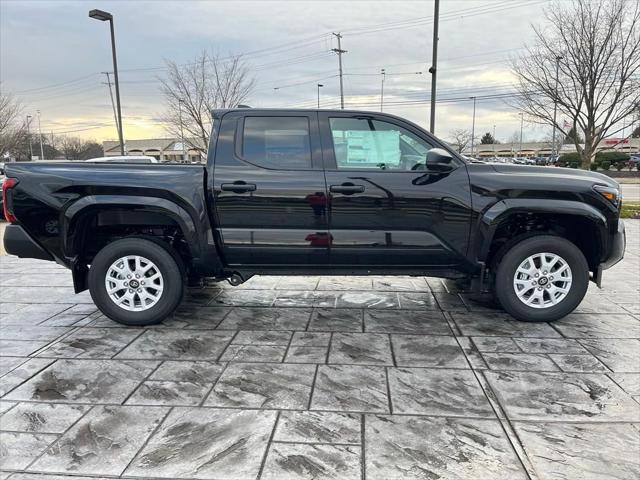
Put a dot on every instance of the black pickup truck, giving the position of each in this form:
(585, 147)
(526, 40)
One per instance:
(295, 192)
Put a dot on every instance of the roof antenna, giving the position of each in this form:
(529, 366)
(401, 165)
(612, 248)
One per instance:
(243, 106)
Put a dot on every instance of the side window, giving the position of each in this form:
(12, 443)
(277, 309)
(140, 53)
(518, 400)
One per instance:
(372, 144)
(277, 142)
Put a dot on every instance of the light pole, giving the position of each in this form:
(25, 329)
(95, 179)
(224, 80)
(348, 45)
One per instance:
(382, 72)
(434, 64)
(103, 17)
(29, 117)
(473, 125)
(319, 87)
(40, 135)
(521, 125)
(555, 108)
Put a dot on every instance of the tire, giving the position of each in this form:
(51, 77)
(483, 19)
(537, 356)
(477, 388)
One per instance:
(159, 294)
(558, 296)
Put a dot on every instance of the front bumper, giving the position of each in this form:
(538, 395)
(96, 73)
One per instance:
(616, 252)
(618, 244)
(18, 242)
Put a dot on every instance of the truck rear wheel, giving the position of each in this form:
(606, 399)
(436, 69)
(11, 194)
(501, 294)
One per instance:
(541, 279)
(135, 281)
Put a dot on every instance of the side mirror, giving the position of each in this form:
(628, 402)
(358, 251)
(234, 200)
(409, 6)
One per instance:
(439, 159)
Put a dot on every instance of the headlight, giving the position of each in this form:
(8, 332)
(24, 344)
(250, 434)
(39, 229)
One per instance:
(611, 194)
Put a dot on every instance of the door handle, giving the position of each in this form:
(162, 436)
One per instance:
(238, 187)
(346, 188)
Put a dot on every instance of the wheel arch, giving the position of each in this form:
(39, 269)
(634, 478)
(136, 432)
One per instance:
(131, 216)
(512, 220)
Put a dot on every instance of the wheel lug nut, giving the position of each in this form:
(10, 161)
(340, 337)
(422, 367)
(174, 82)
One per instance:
(139, 290)
(534, 282)
(539, 288)
(130, 291)
(137, 276)
(126, 284)
(551, 277)
(142, 282)
(544, 273)
(537, 275)
(128, 276)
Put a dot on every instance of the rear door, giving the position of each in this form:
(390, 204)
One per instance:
(387, 209)
(269, 190)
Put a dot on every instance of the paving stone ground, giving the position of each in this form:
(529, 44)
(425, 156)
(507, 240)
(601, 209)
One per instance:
(318, 378)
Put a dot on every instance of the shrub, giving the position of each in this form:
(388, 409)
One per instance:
(612, 157)
(620, 165)
(569, 158)
(593, 167)
(573, 165)
(605, 165)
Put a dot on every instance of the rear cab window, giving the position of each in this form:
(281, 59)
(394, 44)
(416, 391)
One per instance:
(276, 142)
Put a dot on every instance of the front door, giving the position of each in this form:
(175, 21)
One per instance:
(269, 190)
(386, 208)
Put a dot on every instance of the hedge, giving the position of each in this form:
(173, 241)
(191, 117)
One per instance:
(611, 157)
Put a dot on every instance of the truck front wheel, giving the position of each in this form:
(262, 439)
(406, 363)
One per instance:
(541, 279)
(136, 281)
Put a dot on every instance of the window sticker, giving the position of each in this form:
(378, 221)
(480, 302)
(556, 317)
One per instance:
(367, 148)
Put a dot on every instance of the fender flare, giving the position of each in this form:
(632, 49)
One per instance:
(69, 218)
(492, 217)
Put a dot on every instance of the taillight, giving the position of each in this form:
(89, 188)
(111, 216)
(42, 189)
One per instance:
(7, 184)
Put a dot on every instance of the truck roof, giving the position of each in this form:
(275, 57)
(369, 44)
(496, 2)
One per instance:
(219, 112)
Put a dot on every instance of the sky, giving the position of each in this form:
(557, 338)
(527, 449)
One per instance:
(52, 55)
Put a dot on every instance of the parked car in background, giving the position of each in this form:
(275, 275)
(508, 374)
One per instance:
(123, 159)
(298, 192)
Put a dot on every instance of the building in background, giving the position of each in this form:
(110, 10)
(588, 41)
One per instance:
(543, 149)
(162, 149)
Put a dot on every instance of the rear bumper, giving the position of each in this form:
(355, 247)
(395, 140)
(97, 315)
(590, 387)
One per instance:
(18, 242)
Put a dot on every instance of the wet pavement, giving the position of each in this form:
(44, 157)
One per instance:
(318, 378)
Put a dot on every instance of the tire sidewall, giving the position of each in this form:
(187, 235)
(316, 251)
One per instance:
(165, 262)
(512, 259)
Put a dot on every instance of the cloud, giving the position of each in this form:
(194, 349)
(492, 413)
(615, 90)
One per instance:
(47, 43)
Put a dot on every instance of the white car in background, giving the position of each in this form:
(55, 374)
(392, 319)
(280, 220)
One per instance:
(123, 159)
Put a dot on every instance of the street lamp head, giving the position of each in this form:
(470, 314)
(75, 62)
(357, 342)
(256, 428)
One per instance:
(320, 85)
(100, 15)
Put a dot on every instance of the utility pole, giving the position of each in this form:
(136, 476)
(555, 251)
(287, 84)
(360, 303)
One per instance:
(521, 125)
(494, 134)
(382, 72)
(40, 135)
(29, 137)
(473, 125)
(113, 105)
(340, 51)
(555, 108)
(181, 129)
(319, 87)
(434, 64)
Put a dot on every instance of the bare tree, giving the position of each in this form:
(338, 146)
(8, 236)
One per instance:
(459, 139)
(74, 148)
(595, 46)
(193, 90)
(11, 130)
